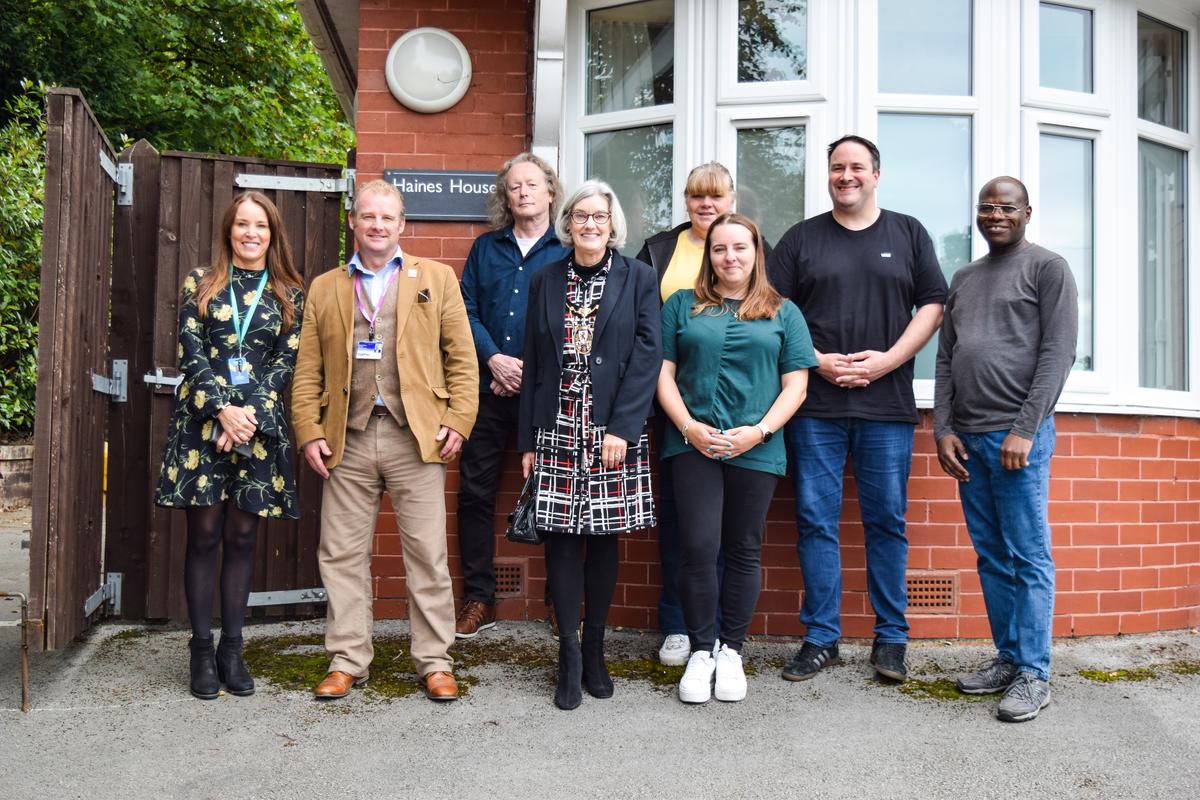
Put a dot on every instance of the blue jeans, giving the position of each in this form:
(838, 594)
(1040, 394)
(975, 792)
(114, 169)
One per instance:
(1006, 517)
(882, 459)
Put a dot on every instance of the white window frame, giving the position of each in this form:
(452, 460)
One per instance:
(1100, 100)
(817, 61)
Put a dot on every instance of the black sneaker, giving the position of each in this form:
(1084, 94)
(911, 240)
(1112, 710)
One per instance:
(809, 660)
(888, 660)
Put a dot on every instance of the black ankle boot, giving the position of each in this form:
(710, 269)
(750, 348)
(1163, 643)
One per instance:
(231, 669)
(595, 673)
(570, 672)
(205, 684)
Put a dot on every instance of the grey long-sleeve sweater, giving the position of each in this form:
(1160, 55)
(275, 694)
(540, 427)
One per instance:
(1007, 343)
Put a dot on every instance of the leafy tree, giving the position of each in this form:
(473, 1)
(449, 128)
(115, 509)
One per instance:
(225, 76)
(22, 178)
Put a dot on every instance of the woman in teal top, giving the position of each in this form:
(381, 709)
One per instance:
(735, 369)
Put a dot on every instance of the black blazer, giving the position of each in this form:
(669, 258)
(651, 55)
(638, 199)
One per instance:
(626, 351)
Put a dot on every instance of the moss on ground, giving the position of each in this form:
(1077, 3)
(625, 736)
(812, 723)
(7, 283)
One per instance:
(940, 689)
(1184, 667)
(1112, 676)
(298, 663)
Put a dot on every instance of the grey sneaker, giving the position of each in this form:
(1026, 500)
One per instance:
(1027, 695)
(997, 676)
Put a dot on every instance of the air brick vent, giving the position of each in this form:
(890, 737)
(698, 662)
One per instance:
(932, 592)
(510, 577)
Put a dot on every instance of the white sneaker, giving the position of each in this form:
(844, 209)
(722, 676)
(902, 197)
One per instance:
(696, 684)
(675, 650)
(731, 678)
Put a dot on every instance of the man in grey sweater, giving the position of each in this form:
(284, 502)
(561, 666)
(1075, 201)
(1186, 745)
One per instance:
(1007, 345)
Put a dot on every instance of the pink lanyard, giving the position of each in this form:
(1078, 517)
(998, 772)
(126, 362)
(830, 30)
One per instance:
(370, 318)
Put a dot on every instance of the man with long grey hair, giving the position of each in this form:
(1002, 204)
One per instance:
(494, 284)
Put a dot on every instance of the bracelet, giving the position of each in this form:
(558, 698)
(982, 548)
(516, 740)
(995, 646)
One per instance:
(683, 430)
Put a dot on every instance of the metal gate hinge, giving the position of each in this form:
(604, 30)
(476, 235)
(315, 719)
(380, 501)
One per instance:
(122, 176)
(117, 384)
(284, 598)
(349, 176)
(109, 593)
(292, 183)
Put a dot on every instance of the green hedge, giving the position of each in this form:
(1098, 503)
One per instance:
(22, 186)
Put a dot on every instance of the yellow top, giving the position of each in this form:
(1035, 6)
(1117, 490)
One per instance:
(684, 267)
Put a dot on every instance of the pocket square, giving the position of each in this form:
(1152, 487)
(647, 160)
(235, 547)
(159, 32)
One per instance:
(422, 295)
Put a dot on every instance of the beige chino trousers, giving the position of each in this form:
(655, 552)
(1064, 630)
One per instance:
(385, 457)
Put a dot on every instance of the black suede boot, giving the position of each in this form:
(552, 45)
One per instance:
(568, 694)
(205, 684)
(595, 673)
(231, 669)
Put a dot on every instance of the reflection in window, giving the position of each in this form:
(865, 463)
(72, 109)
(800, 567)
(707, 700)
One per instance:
(772, 40)
(637, 163)
(1065, 47)
(1066, 221)
(1162, 235)
(926, 172)
(770, 178)
(1162, 77)
(631, 56)
(925, 46)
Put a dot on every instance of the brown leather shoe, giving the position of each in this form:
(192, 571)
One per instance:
(337, 684)
(440, 686)
(474, 617)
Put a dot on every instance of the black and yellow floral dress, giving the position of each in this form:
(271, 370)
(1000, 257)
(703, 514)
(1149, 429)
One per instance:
(194, 473)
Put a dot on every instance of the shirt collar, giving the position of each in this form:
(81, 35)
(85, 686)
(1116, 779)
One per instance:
(355, 263)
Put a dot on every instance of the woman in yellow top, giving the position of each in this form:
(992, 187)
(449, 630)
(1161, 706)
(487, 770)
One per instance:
(676, 255)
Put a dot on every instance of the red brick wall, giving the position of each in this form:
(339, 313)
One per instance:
(1125, 491)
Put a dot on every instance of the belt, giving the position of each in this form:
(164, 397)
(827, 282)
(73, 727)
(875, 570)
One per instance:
(379, 411)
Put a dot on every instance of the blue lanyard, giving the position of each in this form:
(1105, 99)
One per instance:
(242, 329)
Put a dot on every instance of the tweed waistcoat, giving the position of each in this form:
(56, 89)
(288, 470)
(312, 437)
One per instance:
(368, 378)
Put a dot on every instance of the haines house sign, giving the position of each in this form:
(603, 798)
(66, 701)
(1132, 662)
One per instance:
(443, 194)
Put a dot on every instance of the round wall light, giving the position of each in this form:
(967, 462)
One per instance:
(428, 70)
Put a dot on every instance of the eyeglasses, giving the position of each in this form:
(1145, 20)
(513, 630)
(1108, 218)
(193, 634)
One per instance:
(581, 217)
(987, 209)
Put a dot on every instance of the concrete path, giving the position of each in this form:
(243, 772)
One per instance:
(111, 717)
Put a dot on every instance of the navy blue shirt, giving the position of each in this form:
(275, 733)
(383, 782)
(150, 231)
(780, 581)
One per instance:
(495, 288)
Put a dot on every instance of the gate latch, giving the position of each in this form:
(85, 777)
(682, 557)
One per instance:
(109, 593)
(115, 386)
(158, 381)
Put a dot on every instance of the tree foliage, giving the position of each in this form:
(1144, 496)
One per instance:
(22, 179)
(223, 76)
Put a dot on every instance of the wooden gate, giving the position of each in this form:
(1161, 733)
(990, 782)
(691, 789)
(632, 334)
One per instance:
(67, 539)
(111, 292)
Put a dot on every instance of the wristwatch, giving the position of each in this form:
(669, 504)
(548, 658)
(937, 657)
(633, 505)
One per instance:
(766, 432)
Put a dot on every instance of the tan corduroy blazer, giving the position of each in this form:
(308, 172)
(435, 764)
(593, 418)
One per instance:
(434, 352)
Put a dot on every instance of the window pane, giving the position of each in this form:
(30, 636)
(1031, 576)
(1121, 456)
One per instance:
(1066, 47)
(1066, 215)
(926, 172)
(637, 164)
(631, 56)
(770, 178)
(1162, 78)
(925, 46)
(772, 40)
(1162, 234)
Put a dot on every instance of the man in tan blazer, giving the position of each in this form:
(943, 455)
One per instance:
(385, 390)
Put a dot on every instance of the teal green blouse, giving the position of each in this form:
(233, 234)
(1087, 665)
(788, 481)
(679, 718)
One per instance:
(728, 369)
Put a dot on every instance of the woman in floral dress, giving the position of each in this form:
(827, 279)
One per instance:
(592, 356)
(228, 459)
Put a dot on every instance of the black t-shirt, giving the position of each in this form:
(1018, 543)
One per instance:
(857, 290)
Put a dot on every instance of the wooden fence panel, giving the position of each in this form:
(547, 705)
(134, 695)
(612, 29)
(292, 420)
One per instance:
(194, 192)
(66, 559)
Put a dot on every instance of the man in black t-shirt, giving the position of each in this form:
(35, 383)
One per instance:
(857, 272)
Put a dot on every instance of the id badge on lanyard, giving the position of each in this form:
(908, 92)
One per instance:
(239, 371)
(239, 367)
(370, 349)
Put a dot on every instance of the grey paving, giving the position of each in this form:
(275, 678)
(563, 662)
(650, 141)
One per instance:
(112, 718)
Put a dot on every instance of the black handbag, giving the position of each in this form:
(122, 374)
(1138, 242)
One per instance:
(521, 527)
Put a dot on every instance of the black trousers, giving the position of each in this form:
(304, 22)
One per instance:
(720, 507)
(478, 476)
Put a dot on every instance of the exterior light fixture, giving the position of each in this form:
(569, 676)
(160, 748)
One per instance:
(428, 70)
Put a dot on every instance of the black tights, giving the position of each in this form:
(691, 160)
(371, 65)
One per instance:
(208, 527)
(571, 573)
